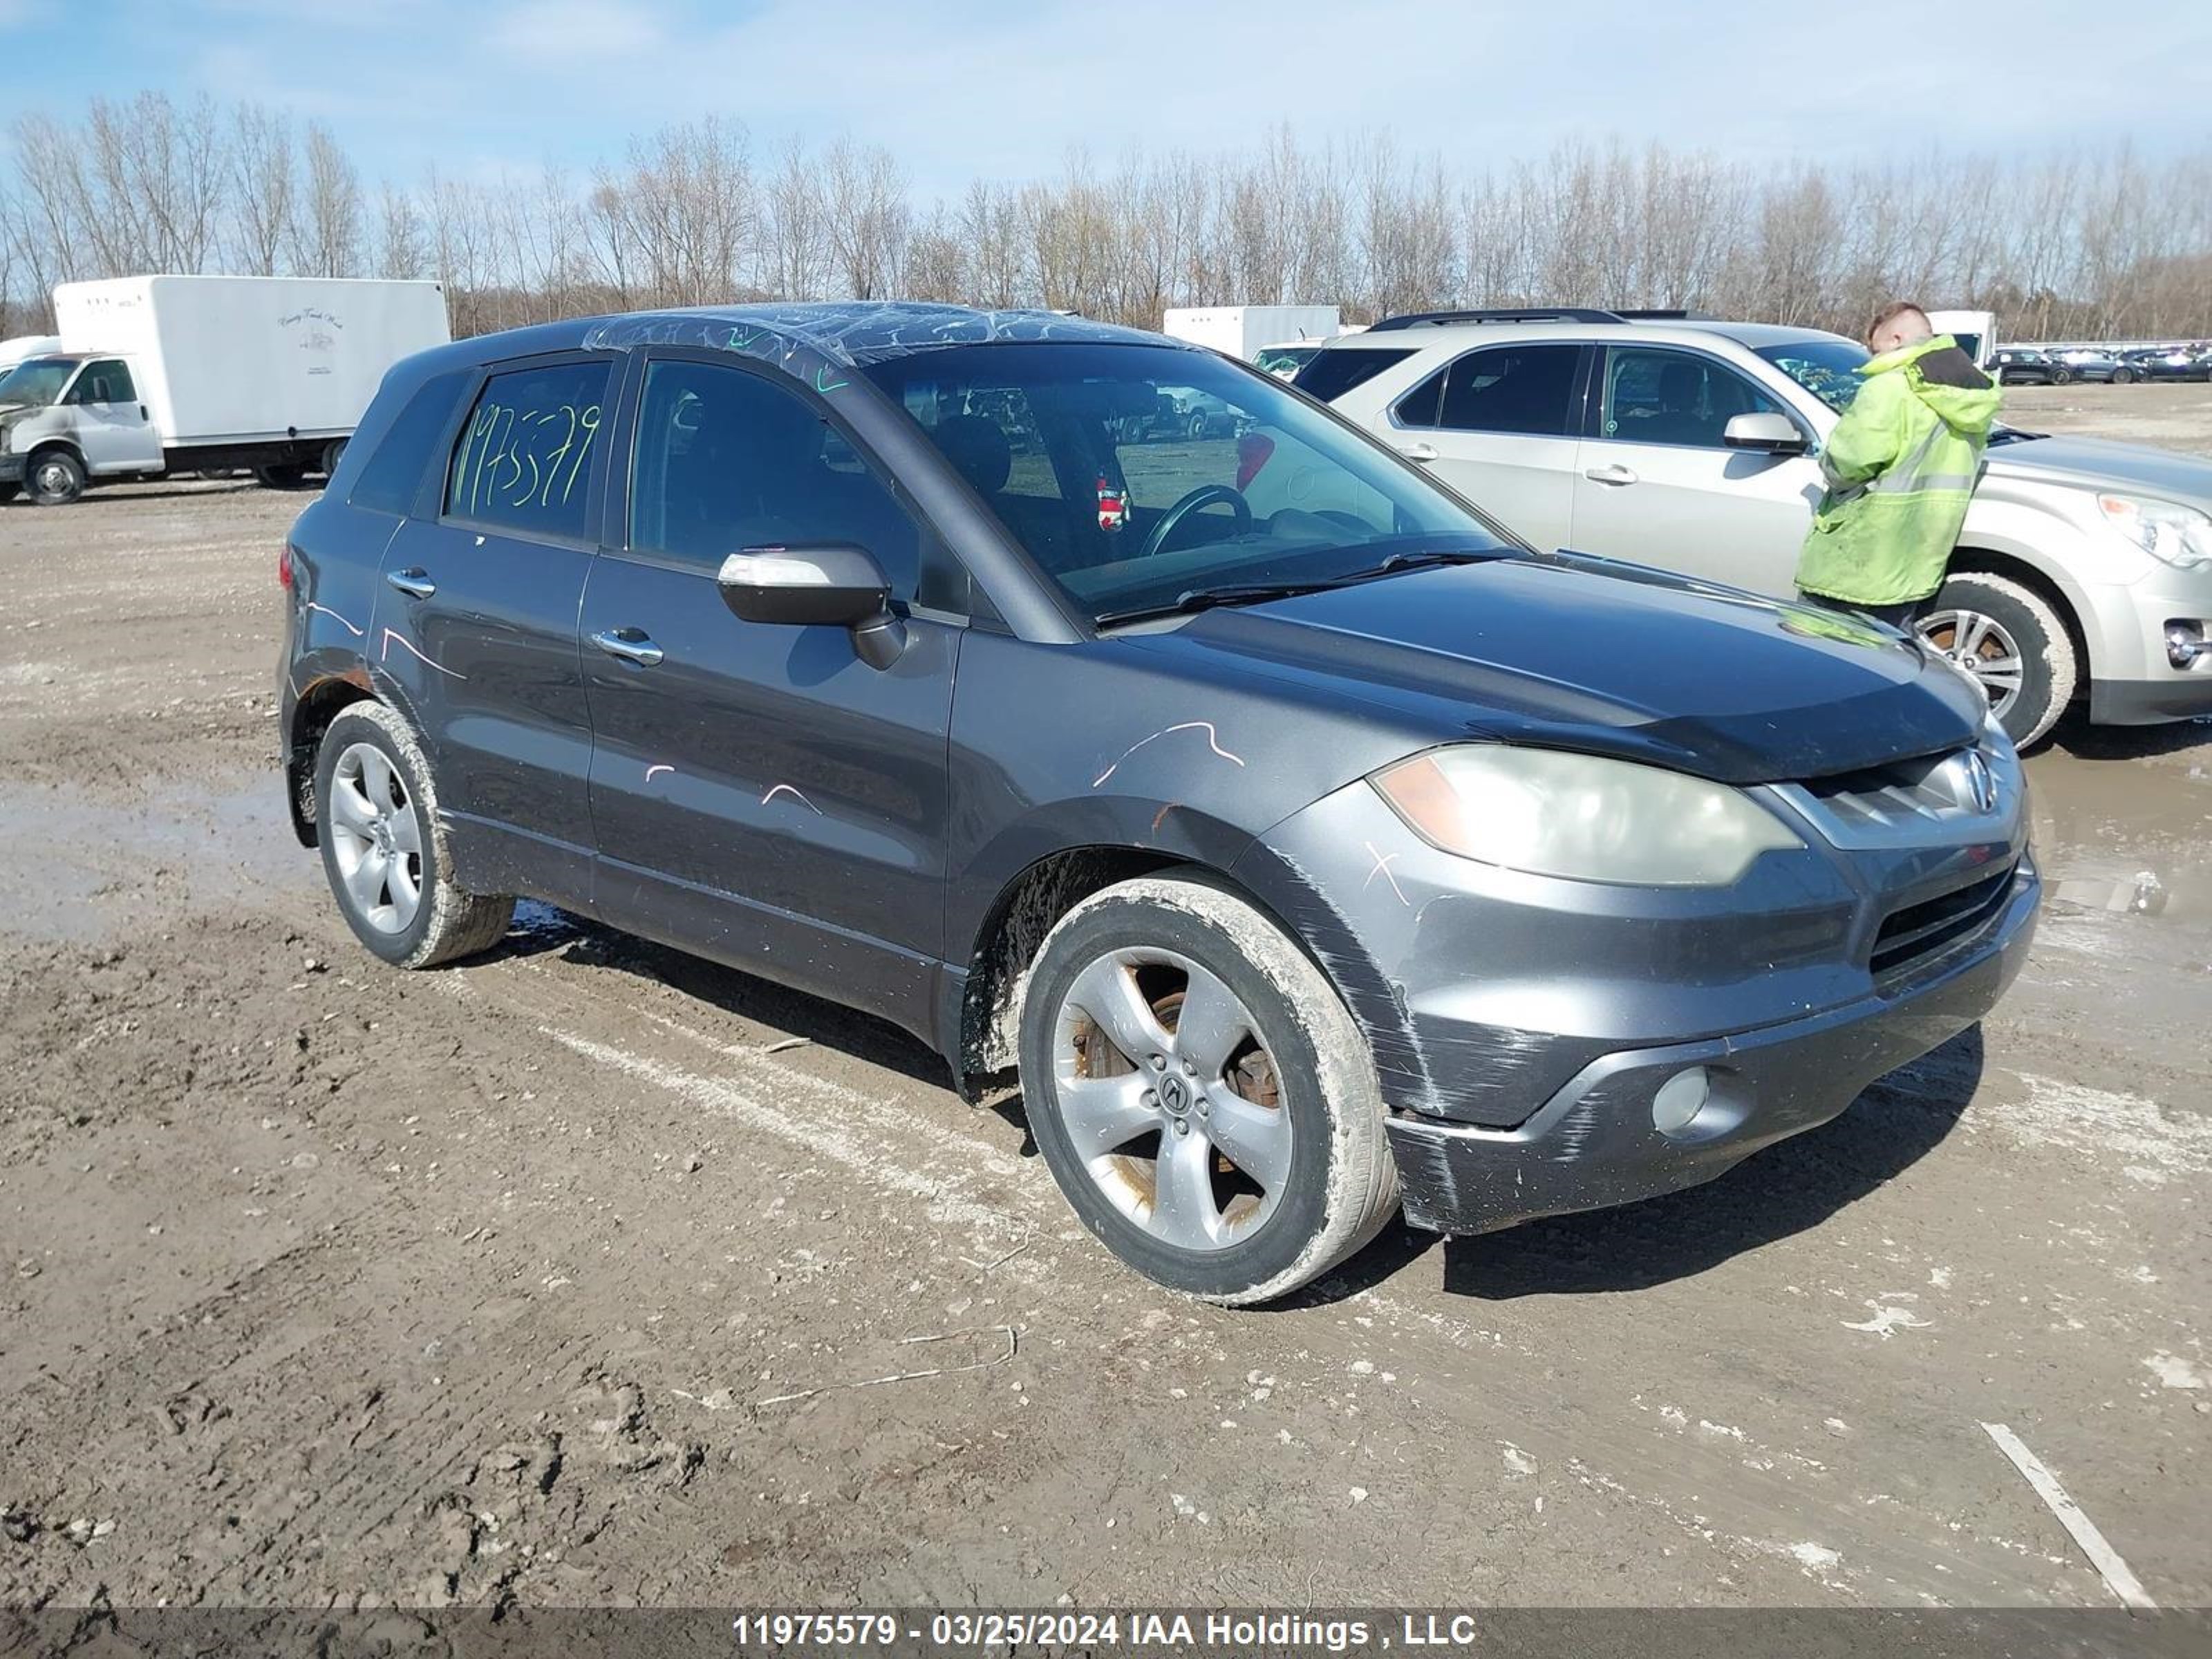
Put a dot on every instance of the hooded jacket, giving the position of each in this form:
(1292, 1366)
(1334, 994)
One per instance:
(1900, 468)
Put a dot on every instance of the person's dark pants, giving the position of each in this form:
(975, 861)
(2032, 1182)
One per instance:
(1905, 617)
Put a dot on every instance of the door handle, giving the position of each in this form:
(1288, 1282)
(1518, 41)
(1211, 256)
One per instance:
(414, 581)
(1613, 474)
(1422, 452)
(630, 644)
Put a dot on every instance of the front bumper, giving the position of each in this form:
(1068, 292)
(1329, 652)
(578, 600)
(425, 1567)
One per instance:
(2179, 696)
(1593, 1144)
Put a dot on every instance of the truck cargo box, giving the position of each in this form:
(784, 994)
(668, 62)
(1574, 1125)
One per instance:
(223, 360)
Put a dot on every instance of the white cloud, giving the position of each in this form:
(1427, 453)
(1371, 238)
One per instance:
(575, 31)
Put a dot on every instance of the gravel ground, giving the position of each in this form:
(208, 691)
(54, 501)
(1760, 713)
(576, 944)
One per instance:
(562, 1277)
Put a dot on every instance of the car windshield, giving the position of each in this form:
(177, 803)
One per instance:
(36, 382)
(1146, 478)
(1827, 368)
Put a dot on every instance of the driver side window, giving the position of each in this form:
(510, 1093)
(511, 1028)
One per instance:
(1677, 397)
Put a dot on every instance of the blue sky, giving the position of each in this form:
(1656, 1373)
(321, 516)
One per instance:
(1006, 88)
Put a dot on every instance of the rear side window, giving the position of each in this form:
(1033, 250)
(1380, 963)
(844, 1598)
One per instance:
(523, 461)
(1330, 374)
(1527, 390)
(394, 473)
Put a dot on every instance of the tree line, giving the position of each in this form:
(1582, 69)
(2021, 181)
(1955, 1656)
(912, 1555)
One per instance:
(2073, 244)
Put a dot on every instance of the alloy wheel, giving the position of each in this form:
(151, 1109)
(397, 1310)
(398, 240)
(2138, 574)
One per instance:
(377, 836)
(1983, 649)
(1171, 1099)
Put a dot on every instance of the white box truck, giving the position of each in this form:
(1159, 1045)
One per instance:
(161, 374)
(1242, 331)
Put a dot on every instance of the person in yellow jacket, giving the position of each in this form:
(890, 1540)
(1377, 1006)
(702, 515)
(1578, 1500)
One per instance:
(1900, 468)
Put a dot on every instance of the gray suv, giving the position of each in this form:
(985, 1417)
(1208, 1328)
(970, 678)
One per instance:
(2084, 571)
(1298, 861)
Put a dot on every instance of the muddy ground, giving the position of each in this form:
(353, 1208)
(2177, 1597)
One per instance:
(554, 1279)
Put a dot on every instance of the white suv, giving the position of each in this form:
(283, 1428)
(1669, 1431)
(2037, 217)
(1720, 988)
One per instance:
(2085, 569)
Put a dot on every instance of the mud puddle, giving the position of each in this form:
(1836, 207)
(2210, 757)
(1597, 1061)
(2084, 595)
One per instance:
(78, 867)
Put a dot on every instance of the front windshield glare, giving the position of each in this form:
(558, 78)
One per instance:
(1827, 368)
(1137, 475)
(38, 381)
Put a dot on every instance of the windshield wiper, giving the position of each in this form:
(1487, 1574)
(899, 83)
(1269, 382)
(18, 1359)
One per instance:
(1208, 598)
(1397, 562)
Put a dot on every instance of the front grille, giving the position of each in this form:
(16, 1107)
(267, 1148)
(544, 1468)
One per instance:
(1916, 931)
(1929, 789)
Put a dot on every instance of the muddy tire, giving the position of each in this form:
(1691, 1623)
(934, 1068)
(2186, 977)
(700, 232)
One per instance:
(2012, 639)
(1239, 1151)
(53, 477)
(384, 847)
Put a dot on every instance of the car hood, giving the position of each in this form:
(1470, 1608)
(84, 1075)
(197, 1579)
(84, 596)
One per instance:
(2093, 464)
(1618, 659)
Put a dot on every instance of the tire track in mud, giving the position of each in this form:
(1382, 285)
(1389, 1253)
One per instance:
(1705, 1482)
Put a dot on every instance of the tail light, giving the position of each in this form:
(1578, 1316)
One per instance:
(1253, 450)
(285, 567)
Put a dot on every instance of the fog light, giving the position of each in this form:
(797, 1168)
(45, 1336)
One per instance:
(2184, 643)
(1680, 1099)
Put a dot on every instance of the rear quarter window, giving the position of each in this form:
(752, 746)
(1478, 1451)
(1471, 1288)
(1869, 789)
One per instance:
(393, 476)
(1332, 374)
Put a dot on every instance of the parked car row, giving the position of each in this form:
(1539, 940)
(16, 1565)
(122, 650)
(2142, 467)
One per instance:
(2041, 365)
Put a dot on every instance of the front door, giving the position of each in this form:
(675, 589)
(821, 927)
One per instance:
(112, 425)
(475, 627)
(1497, 425)
(1657, 485)
(759, 794)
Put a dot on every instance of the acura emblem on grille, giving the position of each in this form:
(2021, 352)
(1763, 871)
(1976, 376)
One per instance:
(1981, 784)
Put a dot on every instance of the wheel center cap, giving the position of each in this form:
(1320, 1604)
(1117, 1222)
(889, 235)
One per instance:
(1175, 1097)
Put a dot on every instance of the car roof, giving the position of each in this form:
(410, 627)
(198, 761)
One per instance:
(1673, 331)
(847, 334)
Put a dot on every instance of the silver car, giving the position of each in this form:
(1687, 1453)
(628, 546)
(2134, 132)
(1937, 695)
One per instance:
(2084, 571)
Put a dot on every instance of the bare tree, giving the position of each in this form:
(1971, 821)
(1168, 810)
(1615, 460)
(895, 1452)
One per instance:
(261, 175)
(327, 232)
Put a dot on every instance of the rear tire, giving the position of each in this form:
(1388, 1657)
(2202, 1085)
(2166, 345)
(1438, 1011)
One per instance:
(1241, 1153)
(289, 475)
(1995, 620)
(2062, 376)
(331, 452)
(383, 846)
(53, 477)
(2123, 376)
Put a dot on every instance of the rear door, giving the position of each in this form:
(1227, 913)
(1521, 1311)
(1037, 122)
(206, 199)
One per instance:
(1498, 425)
(475, 627)
(112, 426)
(1654, 482)
(759, 794)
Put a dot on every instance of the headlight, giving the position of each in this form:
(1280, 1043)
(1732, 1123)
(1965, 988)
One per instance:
(1551, 813)
(2179, 535)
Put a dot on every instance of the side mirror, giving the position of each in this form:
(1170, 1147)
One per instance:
(1767, 434)
(823, 584)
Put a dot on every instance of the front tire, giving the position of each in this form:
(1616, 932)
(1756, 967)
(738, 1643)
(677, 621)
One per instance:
(384, 847)
(2124, 377)
(2062, 376)
(2013, 641)
(53, 477)
(1203, 1096)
